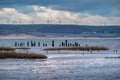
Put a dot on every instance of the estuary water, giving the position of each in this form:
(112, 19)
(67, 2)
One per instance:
(61, 67)
(38, 45)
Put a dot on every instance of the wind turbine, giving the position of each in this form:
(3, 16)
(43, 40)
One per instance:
(59, 20)
(20, 21)
(76, 22)
(8, 21)
(33, 19)
(49, 20)
(104, 23)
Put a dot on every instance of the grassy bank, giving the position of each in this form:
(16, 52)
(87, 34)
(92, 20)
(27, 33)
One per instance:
(78, 48)
(6, 49)
(4, 55)
(113, 57)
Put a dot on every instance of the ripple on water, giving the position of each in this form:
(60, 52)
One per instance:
(61, 67)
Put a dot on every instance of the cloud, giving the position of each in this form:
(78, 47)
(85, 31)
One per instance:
(6, 11)
(11, 15)
(45, 15)
(94, 7)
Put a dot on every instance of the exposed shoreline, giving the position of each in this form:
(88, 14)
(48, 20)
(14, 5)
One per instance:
(27, 36)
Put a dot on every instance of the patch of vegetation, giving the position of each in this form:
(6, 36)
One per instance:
(79, 48)
(22, 48)
(4, 55)
(113, 57)
(7, 49)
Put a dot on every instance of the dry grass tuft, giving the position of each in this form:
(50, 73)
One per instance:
(7, 49)
(4, 55)
(79, 48)
(113, 57)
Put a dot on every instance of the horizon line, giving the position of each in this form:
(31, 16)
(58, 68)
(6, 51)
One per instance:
(61, 24)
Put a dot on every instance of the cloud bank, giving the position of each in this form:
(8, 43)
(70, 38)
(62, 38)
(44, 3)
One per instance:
(94, 7)
(47, 15)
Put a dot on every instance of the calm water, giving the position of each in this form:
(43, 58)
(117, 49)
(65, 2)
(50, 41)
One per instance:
(61, 67)
(112, 44)
(64, 65)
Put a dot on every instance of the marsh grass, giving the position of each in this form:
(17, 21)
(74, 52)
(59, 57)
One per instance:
(7, 49)
(4, 55)
(79, 48)
(22, 48)
(113, 57)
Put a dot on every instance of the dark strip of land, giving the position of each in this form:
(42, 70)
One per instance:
(4, 55)
(113, 57)
(6, 49)
(78, 48)
(22, 48)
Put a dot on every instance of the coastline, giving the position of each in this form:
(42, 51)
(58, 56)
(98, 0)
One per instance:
(23, 36)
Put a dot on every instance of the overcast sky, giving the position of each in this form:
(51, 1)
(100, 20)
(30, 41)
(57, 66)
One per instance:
(83, 12)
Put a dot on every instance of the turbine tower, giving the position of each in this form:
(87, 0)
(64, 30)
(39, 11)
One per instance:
(104, 23)
(8, 21)
(49, 20)
(76, 22)
(59, 20)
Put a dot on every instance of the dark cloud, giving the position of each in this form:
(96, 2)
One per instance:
(97, 7)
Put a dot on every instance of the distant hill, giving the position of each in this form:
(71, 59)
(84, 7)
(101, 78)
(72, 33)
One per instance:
(61, 30)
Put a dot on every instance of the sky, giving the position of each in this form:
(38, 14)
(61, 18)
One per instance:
(82, 12)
